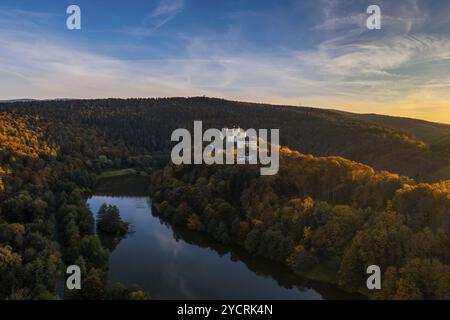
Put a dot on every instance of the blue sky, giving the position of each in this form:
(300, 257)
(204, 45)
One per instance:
(316, 53)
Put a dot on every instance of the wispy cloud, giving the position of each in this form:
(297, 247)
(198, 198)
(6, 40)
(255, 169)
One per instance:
(162, 14)
(168, 8)
(382, 57)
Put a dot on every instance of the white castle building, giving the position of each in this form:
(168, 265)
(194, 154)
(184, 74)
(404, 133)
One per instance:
(239, 137)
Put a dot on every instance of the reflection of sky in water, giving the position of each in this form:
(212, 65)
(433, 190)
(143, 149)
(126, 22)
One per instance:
(171, 269)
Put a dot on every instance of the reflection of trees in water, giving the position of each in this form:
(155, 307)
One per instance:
(123, 186)
(109, 241)
(260, 266)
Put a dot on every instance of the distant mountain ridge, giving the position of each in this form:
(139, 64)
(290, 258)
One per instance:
(17, 100)
(31, 100)
(426, 131)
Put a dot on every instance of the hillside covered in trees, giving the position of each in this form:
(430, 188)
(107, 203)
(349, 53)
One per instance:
(322, 215)
(328, 218)
(134, 126)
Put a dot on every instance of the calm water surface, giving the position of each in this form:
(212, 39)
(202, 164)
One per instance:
(179, 264)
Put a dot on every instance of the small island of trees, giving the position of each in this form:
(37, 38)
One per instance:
(109, 221)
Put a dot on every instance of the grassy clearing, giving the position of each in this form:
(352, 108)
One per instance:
(321, 273)
(118, 173)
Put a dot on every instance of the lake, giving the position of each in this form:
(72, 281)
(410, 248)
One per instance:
(174, 263)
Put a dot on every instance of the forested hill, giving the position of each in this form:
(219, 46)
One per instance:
(147, 124)
(326, 218)
(426, 131)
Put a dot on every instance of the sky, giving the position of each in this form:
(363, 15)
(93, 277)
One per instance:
(316, 53)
